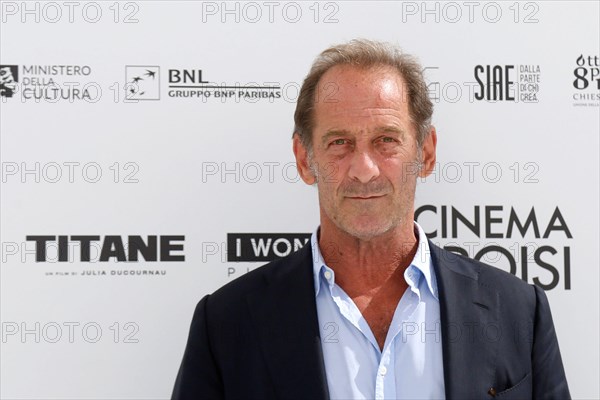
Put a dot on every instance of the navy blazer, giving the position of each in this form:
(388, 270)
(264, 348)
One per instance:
(258, 336)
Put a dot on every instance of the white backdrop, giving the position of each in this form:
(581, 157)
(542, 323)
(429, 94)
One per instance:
(110, 130)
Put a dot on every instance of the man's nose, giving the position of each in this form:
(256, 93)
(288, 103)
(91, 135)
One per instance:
(363, 167)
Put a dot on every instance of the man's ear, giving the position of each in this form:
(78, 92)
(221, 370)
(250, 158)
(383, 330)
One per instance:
(302, 161)
(429, 146)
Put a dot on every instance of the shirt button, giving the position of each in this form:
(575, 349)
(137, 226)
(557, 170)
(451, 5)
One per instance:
(327, 275)
(382, 370)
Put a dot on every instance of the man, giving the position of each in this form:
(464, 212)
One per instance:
(370, 309)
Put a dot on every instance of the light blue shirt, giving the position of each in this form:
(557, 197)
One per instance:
(410, 365)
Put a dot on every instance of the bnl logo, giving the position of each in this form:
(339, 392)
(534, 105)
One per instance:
(142, 82)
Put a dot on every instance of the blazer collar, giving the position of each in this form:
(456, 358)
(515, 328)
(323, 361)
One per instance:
(285, 315)
(469, 321)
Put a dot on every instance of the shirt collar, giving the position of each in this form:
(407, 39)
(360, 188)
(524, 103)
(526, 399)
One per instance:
(421, 265)
(422, 261)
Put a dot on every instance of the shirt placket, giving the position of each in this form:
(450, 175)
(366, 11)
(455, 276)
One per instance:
(385, 386)
(385, 381)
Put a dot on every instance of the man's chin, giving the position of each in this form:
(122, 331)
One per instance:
(366, 231)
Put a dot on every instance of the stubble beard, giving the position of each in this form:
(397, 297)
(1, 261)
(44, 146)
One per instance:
(332, 211)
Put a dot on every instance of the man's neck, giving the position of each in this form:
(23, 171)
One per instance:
(363, 266)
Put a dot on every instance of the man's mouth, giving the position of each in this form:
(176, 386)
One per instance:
(365, 197)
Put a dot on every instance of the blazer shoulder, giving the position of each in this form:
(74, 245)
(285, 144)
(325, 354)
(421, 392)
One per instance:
(261, 277)
(485, 274)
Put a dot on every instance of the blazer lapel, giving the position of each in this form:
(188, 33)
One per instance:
(285, 315)
(470, 329)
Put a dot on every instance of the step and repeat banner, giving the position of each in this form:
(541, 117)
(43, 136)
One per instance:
(147, 160)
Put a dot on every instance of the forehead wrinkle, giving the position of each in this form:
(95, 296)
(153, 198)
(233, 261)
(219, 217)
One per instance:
(380, 117)
(363, 99)
(358, 111)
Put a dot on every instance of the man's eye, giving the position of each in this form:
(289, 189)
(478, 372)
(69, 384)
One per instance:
(387, 139)
(339, 142)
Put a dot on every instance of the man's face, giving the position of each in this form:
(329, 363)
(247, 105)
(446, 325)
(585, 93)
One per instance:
(365, 153)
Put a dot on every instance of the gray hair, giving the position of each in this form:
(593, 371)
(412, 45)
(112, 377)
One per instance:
(365, 53)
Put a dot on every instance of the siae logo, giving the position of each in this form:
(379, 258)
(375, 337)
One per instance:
(519, 83)
(9, 78)
(495, 82)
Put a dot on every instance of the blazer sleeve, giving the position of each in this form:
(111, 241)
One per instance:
(198, 376)
(549, 380)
